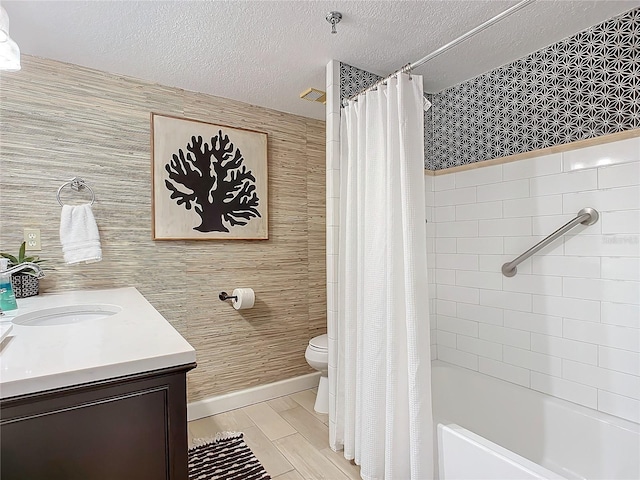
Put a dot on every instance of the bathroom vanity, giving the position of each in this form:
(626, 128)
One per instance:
(93, 397)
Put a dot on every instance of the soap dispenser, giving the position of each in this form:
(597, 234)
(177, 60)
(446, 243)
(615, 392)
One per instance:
(7, 298)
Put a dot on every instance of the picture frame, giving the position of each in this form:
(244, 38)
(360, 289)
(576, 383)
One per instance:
(209, 181)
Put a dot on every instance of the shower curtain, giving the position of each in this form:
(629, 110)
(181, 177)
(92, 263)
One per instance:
(382, 416)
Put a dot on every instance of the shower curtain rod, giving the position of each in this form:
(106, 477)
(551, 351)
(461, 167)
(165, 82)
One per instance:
(483, 26)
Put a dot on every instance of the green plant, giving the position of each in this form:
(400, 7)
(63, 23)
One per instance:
(21, 258)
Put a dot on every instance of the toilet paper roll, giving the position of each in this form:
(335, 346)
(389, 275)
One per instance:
(246, 298)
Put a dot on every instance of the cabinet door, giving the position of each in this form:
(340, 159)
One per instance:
(128, 428)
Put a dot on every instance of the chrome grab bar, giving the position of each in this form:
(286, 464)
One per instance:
(586, 216)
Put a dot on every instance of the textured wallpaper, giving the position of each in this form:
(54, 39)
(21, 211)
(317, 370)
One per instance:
(59, 120)
(584, 86)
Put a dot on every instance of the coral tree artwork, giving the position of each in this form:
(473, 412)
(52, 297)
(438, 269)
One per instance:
(210, 181)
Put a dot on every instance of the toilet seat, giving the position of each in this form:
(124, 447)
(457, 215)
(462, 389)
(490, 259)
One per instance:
(319, 343)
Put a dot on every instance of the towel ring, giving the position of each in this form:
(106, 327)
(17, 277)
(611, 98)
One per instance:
(77, 184)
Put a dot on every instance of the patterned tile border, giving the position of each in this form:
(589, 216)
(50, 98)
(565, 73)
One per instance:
(582, 87)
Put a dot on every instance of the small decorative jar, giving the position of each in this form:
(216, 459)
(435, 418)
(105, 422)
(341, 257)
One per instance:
(24, 285)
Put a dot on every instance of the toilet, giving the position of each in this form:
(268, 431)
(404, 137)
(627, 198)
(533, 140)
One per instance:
(317, 356)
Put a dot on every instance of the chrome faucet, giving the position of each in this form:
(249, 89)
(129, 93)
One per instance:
(24, 266)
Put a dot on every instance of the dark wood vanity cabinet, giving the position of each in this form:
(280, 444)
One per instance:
(132, 427)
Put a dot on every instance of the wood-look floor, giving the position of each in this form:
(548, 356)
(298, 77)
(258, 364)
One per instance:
(289, 438)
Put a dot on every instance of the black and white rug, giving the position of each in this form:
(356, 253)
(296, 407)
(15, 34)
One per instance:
(226, 457)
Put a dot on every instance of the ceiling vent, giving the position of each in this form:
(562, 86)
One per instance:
(314, 95)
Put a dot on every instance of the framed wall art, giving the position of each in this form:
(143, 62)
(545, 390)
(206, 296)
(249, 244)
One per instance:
(209, 181)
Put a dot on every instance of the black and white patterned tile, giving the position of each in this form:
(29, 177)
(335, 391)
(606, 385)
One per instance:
(582, 87)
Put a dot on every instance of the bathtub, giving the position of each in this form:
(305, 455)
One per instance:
(572, 441)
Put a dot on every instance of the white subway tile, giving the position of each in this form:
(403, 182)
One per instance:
(488, 280)
(619, 268)
(447, 339)
(434, 353)
(458, 325)
(479, 347)
(458, 357)
(445, 277)
(332, 125)
(505, 336)
(579, 181)
(504, 371)
(565, 348)
(503, 191)
(486, 245)
(446, 245)
(457, 261)
(505, 227)
(479, 176)
(333, 74)
(445, 214)
(619, 175)
(490, 315)
(457, 229)
(479, 211)
(508, 300)
(431, 244)
(333, 154)
(623, 198)
(333, 183)
(612, 153)
(604, 290)
(332, 268)
(446, 307)
(517, 245)
(561, 388)
(587, 267)
(626, 221)
(534, 206)
(537, 362)
(536, 284)
(458, 196)
(493, 263)
(546, 224)
(431, 260)
(428, 183)
(621, 314)
(601, 378)
(444, 182)
(627, 245)
(614, 336)
(619, 360)
(533, 322)
(458, 294)
(567, 307)
(532, 167)
(618, 405)
(429, 200)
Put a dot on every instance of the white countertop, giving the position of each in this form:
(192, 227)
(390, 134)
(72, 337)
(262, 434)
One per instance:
(137, 339)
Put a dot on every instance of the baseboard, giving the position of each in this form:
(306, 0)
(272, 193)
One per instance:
(242, 398)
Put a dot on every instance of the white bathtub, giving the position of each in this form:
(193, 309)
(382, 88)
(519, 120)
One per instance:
(573, 441)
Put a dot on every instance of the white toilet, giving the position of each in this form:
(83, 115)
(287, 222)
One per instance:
(317, 356)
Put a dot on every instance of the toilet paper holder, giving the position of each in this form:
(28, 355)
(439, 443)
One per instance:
(225, 296)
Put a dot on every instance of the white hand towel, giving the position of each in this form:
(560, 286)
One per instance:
(79, 235)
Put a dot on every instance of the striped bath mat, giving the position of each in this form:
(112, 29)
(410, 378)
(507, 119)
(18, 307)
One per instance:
(226, 457)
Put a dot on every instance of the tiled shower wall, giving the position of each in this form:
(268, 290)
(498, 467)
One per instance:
(583, 87)
(568, 324)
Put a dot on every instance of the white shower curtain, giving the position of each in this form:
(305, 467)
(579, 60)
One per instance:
(382, 416)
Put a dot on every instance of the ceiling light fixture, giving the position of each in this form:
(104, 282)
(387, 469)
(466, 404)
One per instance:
(333, 18)
(9, 51)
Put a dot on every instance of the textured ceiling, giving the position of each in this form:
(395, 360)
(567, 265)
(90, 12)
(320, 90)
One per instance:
(267, 52)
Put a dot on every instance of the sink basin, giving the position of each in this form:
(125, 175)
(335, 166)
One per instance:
(66, 315)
